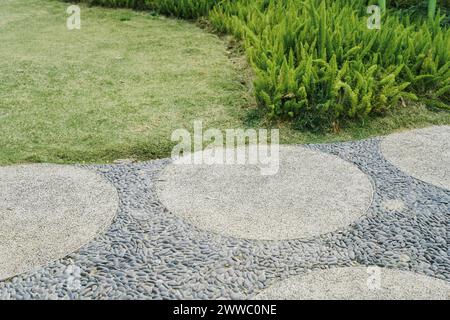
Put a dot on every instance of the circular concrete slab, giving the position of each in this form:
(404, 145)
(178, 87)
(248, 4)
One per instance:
(358, 284)
(312, 193)
(49, 211)
(423, 154)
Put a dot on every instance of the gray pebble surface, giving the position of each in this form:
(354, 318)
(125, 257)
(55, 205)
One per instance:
(149, 253)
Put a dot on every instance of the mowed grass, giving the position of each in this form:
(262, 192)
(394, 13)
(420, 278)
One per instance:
(118, 87)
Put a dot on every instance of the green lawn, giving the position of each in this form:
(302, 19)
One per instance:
(118, 87)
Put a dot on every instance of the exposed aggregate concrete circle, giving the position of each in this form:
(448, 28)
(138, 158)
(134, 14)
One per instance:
(313, 193)
(423, 154)
(357, 283)
(49, 211)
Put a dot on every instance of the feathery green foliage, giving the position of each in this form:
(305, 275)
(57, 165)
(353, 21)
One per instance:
(318, 63)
